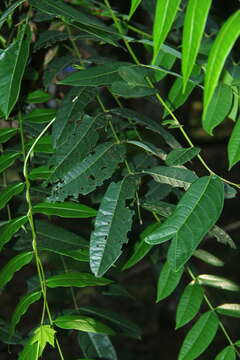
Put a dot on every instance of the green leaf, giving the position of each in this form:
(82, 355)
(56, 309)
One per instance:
(112, 224)
(76, 279)
(167, 281)
(38, 97)
(77, 146)
(72, 109)
(22, 308)
(149, 123)
(194, 24)
(160, 207)
(233, 114)
(134, 6)
(174, 176)
(222, 236)
(29, 352)
(227, 354)
(218, 282)
(65, 209)
(141, 249)
(40, 116)
(165, 61)
(234, 146)
(13, 61)
(181, 156)
(44, 145)
(229, 310)
(7, 160)
(199, 337)
(85, 176)
(99, 75)
(189, 223)
(6, 134)
(208, 258)
(48, 38)
(11, 228)
(96, 345)
(149, 147)
(42, 335)
(83, 323)
(218, 54)
(126, 90)
(124, 325)
(42, 172)
(9, 11)
(10, 191)
(189, 304)
(218, 108)
(164, 16)
(14, 265)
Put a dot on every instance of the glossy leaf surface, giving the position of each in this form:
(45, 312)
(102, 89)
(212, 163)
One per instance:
(65, 209)
(167, 281)
(218, 282)
(229, 310)
(76, 279)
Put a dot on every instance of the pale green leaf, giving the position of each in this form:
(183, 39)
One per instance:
(112, 224)
(22, 308)
(13, 61)
(134, 6)
(194, 24)
(124, 325)
(65, 209)
(199, 337)
(174, 176)
(221, 48)
(189, 223)
(76, 279)
(83, 323)
(229, 310)
(218, 282)
(227, 354)
(96, 345)
(14, 265)
(8, 159)
(6, 134)
(208, 257)
(10, 228)
(85, 176)
(165, 14)
(181, 156)
(167, 281)
(7, 193)
(189, 304)
(29, 352)
(218, 108)
(42, 335)
(234, 145)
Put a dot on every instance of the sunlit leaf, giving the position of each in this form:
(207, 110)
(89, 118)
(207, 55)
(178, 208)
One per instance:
(42, 335)
(229, 310)
(218, 282)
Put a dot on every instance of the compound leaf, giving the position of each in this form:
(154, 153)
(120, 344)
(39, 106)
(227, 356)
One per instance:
(199, 337)
(189, 304)
(112, 224)
(195, 214)
(218, 54)
(6, 134)
(42, 335)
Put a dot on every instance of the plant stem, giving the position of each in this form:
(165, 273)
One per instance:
(195, 279)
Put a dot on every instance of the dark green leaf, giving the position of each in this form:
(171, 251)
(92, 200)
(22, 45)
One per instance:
(126, 90)
(6, 134)
(96, 345)
(9, 11)
(40, 116)
(222, 236)
(199, 337)
(42, 172)
(167, 281)
(48, 38)
(181, 156)
(112, 224)
(234, 146)
(76, 279)
(218, 54)
(22, 308)
(83, 323)
(7, 160)
(13, 61)
(218, 108)
(227, 354)
(65, 209)
(10, 191)
(229, 310)
(38, 97)
(125, 326)
(85, 176)
(57, 65)
(189, 223)
(189, 304)
(11, 228)
(14, 265)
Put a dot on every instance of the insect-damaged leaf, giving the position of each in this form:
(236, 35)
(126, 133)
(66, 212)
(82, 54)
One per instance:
(112, 224)
(195, 214)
